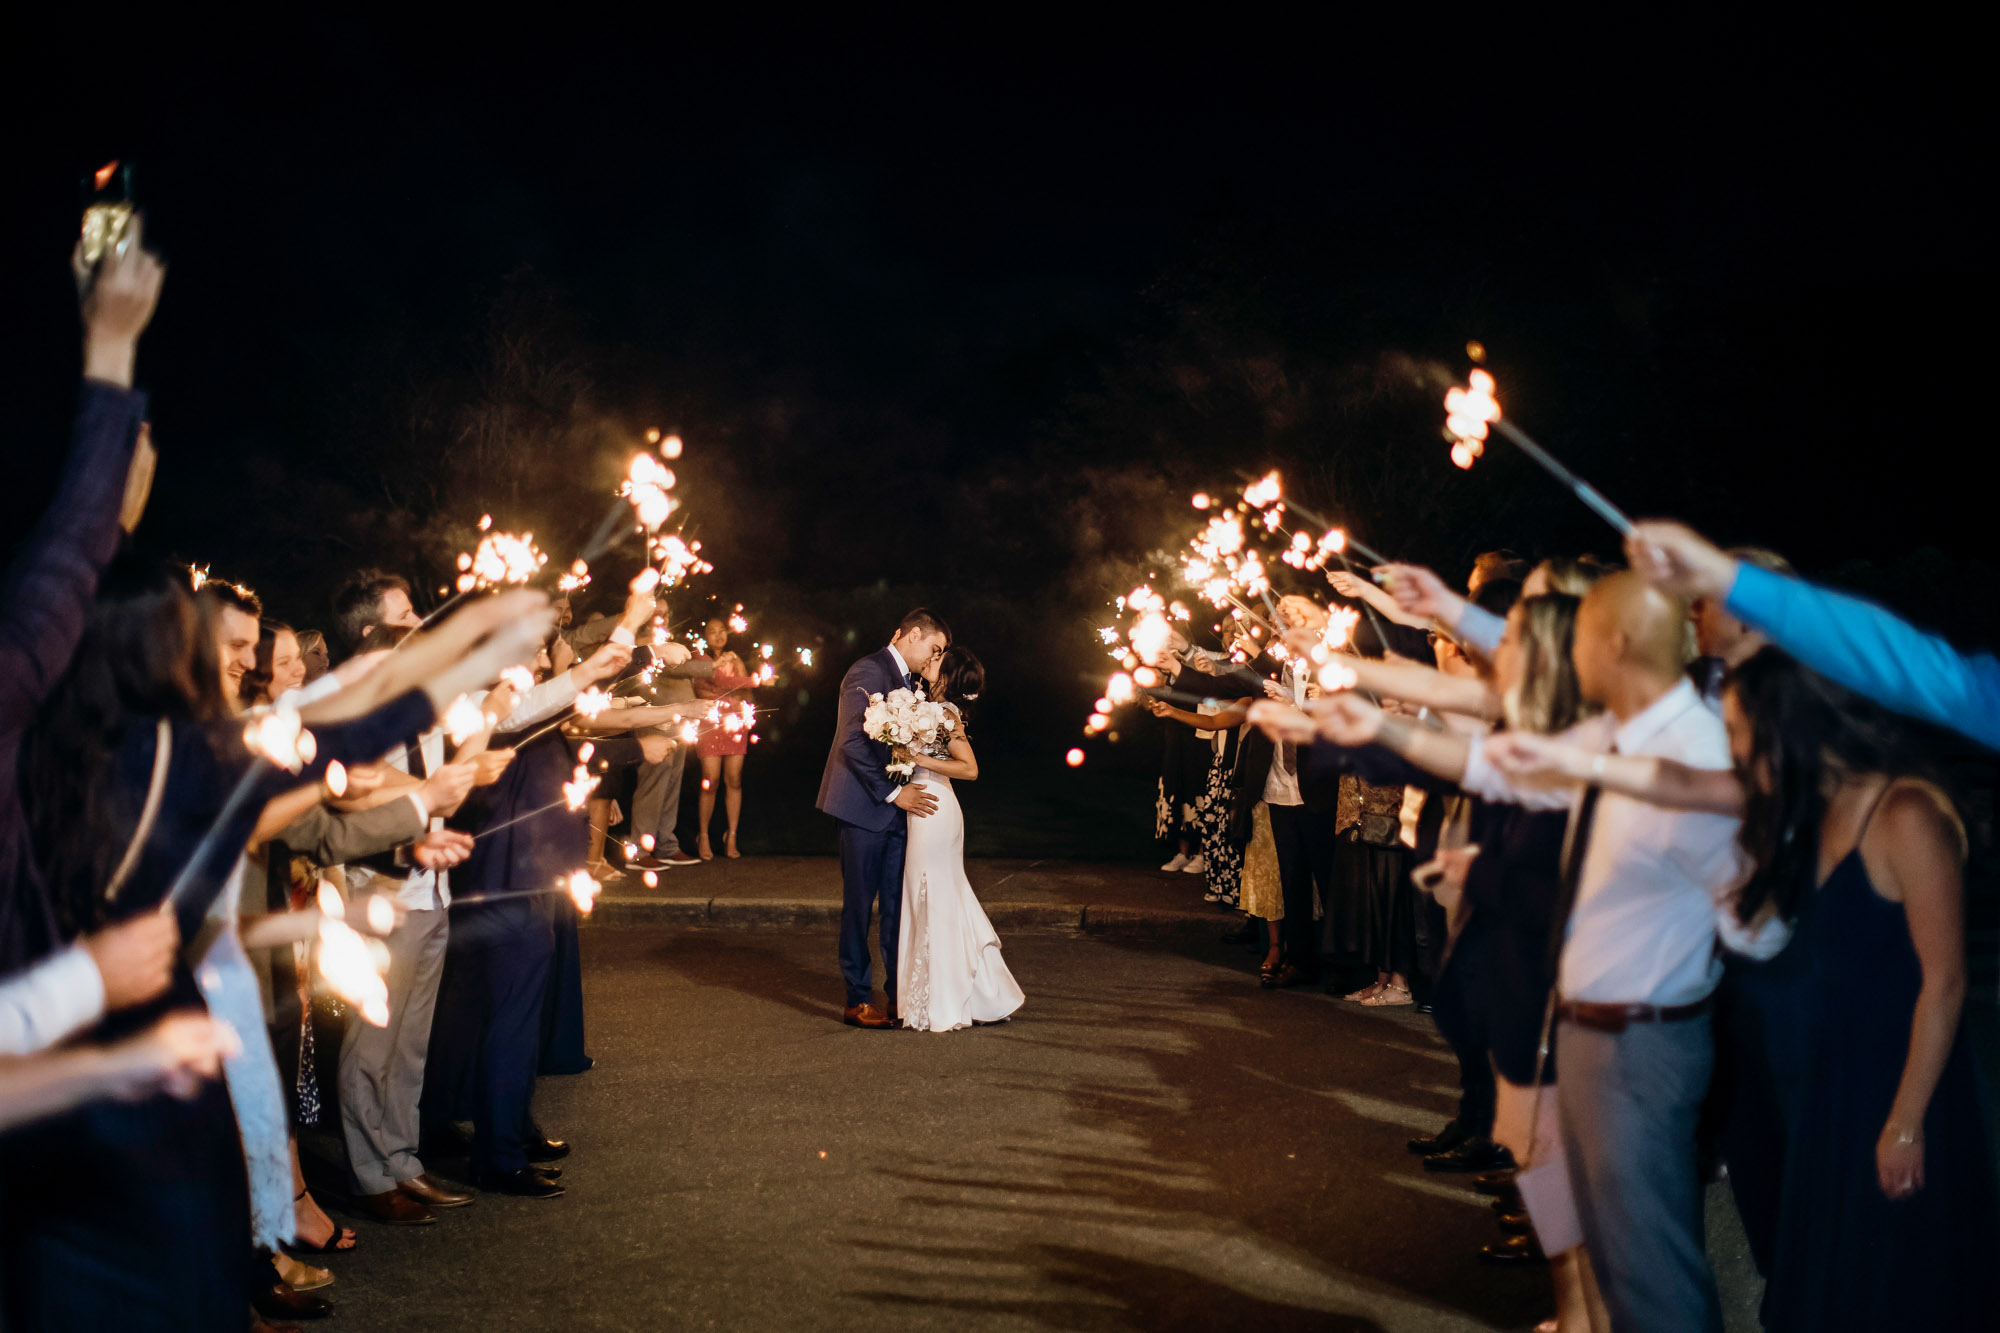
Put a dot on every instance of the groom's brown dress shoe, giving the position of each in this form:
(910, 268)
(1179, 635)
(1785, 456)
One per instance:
(865, 1016)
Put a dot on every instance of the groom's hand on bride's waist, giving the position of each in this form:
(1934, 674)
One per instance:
(915, 800)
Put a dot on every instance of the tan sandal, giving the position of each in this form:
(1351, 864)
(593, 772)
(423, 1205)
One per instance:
(1385, 998)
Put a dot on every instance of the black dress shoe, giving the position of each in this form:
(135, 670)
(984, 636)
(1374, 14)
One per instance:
(1513, 1252)
(1517, 1224)
(279, 1301)
(527, 1183)
(1495, 1182)
(546, 1150)
(1480, 1154)
(1511, 1202)
(1444, 1140)
(545, 1171)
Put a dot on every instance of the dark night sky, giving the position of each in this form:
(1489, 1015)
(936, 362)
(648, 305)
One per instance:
(900, 289)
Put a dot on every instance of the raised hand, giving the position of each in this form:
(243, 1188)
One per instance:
(1282, 722)
(135, 958)
(1523, 754)
(1348, 584)
(1675, 557)
(1346, 719)
(118, 298)
(175, 1055)
(673, 654)
(603, 664)
(1419, 592)
(445, 790)
(441, 849)
(488, 765)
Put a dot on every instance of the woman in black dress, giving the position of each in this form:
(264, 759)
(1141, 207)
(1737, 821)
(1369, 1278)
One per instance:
(1854, 1137)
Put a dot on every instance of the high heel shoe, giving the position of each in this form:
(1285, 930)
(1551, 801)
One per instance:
(729, 847)
(702, 849)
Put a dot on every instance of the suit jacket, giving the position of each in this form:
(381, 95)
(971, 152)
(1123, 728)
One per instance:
(856, 787)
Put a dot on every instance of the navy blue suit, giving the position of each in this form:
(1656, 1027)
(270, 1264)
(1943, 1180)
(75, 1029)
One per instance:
(855, 790)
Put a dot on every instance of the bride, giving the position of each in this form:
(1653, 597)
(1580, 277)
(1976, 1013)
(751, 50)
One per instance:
(949, 973)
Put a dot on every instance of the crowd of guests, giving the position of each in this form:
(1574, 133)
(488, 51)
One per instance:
(195, 799)
(1679, 830)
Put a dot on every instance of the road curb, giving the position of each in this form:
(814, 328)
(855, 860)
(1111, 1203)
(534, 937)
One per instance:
(785, 913)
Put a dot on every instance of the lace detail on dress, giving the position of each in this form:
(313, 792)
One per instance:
(917, 1004)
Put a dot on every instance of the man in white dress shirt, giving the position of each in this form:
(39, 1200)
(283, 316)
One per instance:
(1638, 963)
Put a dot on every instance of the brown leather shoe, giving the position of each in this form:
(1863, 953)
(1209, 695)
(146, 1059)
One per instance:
(865, 1016)
(392, 1208)
(427, 1189)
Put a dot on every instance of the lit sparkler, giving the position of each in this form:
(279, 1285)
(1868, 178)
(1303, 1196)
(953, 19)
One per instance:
(1470, 410)
(346, 961)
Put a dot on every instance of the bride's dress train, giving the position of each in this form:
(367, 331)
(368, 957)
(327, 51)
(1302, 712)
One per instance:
(949, 973)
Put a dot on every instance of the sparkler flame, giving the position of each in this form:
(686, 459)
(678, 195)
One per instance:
(583, 890)
(592, 702)
(577, 790)
(278, 735)
(464, 718)
(345, 960)
(1468, 413)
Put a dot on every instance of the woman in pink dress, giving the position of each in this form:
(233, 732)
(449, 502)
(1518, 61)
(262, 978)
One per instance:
(724, 740)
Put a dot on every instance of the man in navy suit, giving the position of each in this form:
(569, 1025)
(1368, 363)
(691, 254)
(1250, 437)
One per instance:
(873, 811)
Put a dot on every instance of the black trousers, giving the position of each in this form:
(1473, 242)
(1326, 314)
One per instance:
(1459, 1008)
(1305, 842)
(486, 1037)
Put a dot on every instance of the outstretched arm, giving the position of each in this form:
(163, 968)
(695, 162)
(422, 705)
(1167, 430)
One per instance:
(1527, 758)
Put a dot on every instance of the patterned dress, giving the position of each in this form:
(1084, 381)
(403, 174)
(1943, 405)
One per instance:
(1223, 857)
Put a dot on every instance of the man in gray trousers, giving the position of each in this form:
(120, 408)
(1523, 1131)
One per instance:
(656, 802)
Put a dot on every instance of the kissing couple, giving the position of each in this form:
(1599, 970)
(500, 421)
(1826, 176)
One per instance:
(903, 845)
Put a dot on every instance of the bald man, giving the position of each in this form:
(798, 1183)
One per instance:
(1638, 962)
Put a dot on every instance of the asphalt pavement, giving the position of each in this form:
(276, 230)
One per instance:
(1153, 1143)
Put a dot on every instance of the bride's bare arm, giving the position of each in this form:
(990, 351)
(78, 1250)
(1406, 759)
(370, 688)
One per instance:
(961, 767)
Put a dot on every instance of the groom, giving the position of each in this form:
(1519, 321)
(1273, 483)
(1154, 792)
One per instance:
(873, 811)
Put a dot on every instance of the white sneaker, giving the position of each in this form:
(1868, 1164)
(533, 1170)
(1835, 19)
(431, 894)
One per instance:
(1180, 859)
(1197, 866)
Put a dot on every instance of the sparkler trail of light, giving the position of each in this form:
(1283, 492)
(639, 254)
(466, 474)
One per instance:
(581, 888)
(1469, 410)
(552, 805)
(1346, 541)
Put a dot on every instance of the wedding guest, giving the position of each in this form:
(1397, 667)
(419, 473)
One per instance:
(1853, 1076)
(721, 748)
(1184, 762)
(1638, 966)
(1221, 854)
(1722, 642)
(278, 666)
(656, 800)
(237, 615)
(119, 1211)
(372, 597)
(312, 651)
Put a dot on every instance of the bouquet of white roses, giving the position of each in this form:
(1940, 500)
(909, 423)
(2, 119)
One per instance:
(904, 721)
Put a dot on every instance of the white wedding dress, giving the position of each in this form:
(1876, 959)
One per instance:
(949, 973)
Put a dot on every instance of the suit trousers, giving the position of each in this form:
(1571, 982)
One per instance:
(871, 871)
(656, 801)
(1305, 841)
(1630, 1103)
(1459, 1007)
(488, 1037)
(382, 1069)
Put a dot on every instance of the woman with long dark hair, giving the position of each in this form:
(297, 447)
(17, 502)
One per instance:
(140, 1211)
(1854, 1139)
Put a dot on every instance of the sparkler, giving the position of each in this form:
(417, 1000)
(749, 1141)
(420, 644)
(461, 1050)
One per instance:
(575, 792)
(1468, 413)
(581, 888)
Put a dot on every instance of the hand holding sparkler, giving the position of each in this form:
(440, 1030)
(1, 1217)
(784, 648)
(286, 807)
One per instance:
(445, 790)
(118, 297)
(488, 765)
(1422, 595)
(1283, 722)
(441, 849)
(135, 958)
(176, 1056)
(1675, 557)
(1346, 719)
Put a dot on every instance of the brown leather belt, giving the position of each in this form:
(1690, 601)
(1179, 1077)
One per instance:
(1617, 1017)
